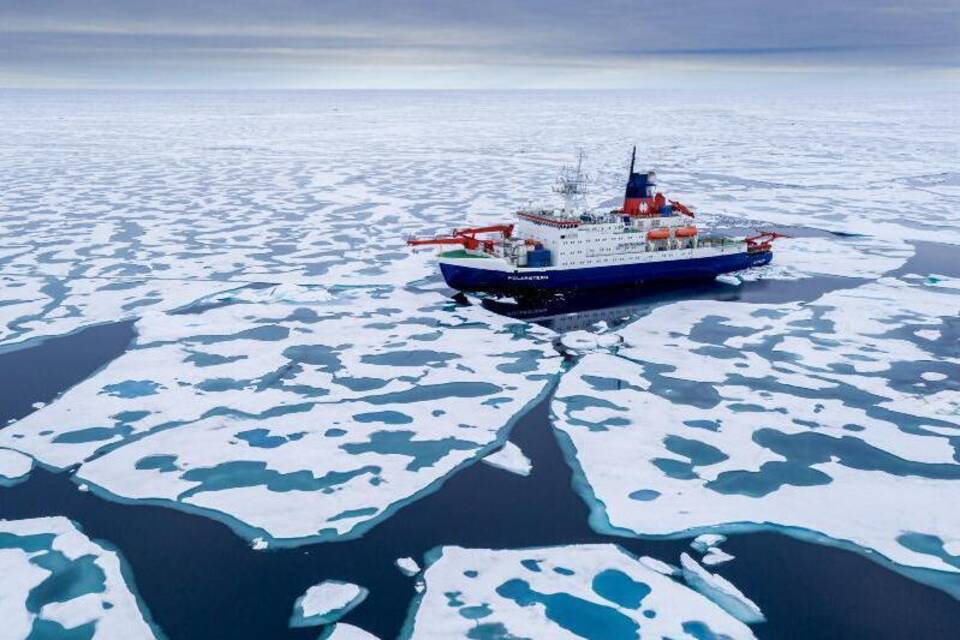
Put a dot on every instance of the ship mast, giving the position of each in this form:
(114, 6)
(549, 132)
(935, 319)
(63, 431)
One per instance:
(572, 185)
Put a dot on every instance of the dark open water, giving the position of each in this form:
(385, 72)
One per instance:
(200, 580)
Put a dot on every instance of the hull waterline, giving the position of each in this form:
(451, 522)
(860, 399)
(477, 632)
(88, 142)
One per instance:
(465, 277)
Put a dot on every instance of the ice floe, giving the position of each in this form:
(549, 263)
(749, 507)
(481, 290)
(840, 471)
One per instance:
(587, 591)
(812, 418)
(510, 458)
(344, 631)
(582, 341)
(715, 555)
(326, 602)
(721, 591)
(706, 540)
(408, 566)
(299, 420)
(58, 306)
(57, 582)
(14, 467)
(730, 279)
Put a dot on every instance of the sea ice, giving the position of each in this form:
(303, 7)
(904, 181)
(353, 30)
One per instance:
(510, 458)
(659, 566)
(706, 540)
(325, 603)
(14, 467)
(730, 279)
(583, 591)
(344, 631)
(584, 341)
(721, 591)
(299, 420)
(715, 555)
(408, 566)
(57, 582)
(815, 419)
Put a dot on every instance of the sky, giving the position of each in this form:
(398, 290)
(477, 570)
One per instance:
(457, 44)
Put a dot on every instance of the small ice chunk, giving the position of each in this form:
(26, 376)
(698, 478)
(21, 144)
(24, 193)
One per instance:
(721, 591)
(344, 631)
(325, 603)
(938, 280)
(730, 279)
(928, 334)
(716, 555)
(258, 544)
(659, 566)
(584, 341)
(83, 486)
(38, 405)
(706, 540)
(510, 458)
(408, 566)
(933, 376)
(14, 466)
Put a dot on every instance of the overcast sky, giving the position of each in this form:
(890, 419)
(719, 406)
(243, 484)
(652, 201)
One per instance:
(480, 43)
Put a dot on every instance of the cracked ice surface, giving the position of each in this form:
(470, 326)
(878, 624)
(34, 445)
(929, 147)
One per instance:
(40, 307)
(584, 591)
(303, 413)
(813, 417)
(57, 581)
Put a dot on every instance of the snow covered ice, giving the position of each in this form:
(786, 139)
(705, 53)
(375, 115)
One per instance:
(56, 581)
(586, 591)
(721, 591)
(810, 417)
(296, 419)
(408, 566)
(300, 375)
(325, 603)
(14, 467)
(510, 458)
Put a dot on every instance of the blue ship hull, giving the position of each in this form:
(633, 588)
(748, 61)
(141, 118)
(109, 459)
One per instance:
(525, 281)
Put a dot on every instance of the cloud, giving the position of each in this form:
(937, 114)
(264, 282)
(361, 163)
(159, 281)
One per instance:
(300, 43)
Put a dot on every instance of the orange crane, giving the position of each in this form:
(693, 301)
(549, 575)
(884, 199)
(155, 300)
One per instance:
(762, 241)
(466, 237)
(681, 208)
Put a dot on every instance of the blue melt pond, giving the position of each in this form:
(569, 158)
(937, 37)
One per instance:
(580, 617)
(131, 389)
(619, 588)
(261, 438)
(387, 417)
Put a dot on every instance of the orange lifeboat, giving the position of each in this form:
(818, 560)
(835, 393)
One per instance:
(685, 232)
(658, 234)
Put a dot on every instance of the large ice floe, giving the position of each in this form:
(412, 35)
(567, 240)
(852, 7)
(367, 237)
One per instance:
(597, 592)
(298, 413)
(819, 419)
(57, 583)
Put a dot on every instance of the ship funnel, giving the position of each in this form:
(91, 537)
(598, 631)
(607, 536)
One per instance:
(640, 187)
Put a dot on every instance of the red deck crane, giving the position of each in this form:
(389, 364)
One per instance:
(466, 237)
(762, 241)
